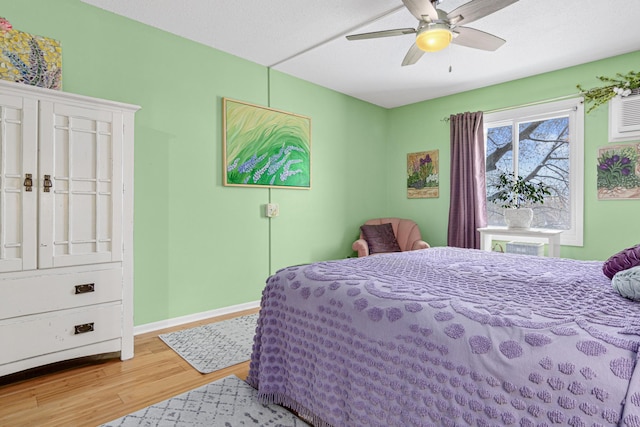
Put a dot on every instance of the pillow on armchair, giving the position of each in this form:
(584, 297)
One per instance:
(380, 238)
(406, 233)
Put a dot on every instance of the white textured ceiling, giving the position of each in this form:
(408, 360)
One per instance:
(305, 38)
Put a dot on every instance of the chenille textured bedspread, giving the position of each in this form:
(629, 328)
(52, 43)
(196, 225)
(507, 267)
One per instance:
(448, 337)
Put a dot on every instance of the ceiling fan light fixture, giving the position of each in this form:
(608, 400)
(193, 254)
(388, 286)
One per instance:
(435, 38)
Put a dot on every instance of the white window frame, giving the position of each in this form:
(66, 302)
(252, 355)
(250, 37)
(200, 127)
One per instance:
(574, 108)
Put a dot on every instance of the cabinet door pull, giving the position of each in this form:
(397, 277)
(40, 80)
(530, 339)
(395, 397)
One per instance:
(85, 288)
(47, 183)
(83, 329)
(28, 181)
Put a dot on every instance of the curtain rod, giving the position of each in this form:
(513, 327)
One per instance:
(529, 104)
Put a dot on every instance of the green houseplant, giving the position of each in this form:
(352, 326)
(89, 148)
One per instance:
(515, 194)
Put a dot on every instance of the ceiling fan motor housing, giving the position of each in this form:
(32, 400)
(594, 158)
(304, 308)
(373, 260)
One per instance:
(433, 36)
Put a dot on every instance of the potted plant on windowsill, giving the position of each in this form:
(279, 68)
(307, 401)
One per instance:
(515, 195)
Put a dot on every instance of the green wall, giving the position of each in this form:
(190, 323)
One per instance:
(608, 225)
(201, 246)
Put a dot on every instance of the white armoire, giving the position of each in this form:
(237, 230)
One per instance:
(66, 227)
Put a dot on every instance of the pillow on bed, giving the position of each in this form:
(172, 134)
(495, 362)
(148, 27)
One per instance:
(380, 238)
(627, 283)
(623, 260)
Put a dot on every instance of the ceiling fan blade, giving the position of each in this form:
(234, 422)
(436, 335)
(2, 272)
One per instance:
(378, 34)
(470, 37)
(413, 55)
(420, 8)
(475, 10)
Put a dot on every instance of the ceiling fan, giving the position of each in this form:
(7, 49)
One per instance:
(437, 28)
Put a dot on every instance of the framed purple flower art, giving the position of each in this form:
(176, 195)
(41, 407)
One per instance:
(422, 175)
(619, 172)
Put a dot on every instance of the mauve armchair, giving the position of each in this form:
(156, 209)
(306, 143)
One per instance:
(406, 231)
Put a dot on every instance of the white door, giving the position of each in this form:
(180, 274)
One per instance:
(81, 167)
(18, 183)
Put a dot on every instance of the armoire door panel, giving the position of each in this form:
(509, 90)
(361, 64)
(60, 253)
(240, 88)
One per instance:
(84, 223)
(18, 183)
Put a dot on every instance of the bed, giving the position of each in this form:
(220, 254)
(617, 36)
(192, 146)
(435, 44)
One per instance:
(447, 337)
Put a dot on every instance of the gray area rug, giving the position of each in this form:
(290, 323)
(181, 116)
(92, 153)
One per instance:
(217, 345)
(227, 402)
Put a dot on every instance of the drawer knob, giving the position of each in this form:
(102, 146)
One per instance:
(83, 329)
(85, 288)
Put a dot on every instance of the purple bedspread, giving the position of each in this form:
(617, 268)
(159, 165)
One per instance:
(446, 337)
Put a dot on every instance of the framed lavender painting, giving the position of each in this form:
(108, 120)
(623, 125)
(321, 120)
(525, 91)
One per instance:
(264, 147)
(30, 59)
(422, 175)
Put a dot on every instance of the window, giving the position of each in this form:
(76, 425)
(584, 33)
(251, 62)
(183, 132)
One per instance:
(543, 143)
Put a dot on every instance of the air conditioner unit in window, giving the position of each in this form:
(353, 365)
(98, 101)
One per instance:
(624, 118)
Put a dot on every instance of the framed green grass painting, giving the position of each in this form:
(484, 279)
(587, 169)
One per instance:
(263, 147)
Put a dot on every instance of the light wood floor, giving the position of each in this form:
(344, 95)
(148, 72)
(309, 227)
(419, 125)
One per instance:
(92, 391)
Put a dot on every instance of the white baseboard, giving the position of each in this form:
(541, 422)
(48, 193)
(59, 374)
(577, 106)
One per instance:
(177, 321)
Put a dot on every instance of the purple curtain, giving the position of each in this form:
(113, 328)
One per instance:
(468, 205)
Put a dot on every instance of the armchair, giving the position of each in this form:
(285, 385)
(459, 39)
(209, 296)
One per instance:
(406, 237)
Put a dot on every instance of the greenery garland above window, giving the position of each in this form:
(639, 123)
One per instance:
(622, 85)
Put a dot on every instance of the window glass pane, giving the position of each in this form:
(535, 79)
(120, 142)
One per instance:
(543, 156)
(499, 142)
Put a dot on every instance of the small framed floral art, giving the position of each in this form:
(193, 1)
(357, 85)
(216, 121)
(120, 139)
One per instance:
(422, 175)
(619, 172)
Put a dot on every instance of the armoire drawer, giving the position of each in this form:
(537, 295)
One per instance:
(42, 293)
(31, 336)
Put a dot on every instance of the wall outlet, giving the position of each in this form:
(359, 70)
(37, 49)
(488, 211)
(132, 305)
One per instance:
(272, 210)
